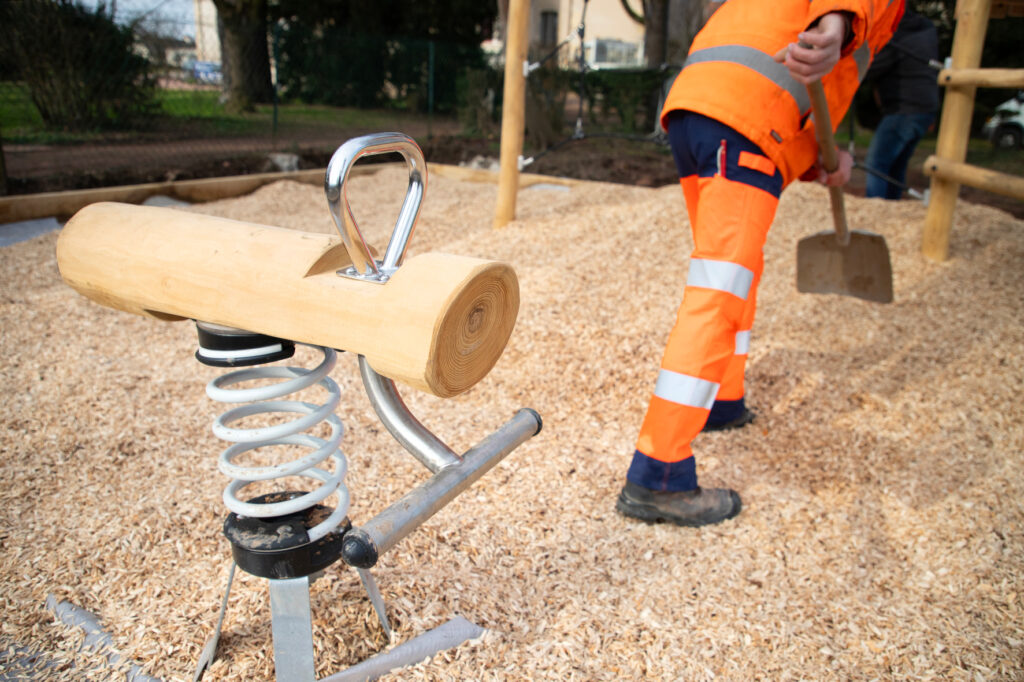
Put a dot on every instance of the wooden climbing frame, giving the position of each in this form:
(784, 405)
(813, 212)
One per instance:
(961, 79)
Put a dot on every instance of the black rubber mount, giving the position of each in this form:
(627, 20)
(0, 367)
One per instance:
(212, 337)
(278, 547)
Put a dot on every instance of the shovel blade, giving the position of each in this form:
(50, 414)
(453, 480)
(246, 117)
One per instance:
(861, 268)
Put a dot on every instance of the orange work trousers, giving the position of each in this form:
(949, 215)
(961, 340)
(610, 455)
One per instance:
(731, 191)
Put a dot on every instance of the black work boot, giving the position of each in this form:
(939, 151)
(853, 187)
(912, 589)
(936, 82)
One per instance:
(746, 417)
(698, 507)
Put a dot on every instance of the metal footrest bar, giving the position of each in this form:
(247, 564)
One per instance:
(453, 633)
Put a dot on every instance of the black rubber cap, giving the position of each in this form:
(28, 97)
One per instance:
(358, 550)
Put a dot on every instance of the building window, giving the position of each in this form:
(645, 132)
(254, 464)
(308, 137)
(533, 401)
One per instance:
(548, 28)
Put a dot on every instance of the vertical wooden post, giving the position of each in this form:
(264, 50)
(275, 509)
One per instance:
(955, 125)
(512, 111)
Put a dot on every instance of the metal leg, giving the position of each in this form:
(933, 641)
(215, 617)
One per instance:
(209, 654)
(376, 599)
(292, 625)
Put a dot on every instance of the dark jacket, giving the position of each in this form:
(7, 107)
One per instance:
(904, 81)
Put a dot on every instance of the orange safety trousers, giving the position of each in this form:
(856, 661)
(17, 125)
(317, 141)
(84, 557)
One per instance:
(706, 352)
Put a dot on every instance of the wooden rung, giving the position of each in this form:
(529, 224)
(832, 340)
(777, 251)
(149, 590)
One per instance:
(1006, 8)
(985, 78)
(973, 176)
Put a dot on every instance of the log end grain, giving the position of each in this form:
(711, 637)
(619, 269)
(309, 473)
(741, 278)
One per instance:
(474, 330)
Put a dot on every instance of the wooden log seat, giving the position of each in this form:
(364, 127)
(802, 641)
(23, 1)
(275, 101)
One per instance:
(439, 324)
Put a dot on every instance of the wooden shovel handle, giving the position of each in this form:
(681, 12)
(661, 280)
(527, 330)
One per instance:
(829, 157)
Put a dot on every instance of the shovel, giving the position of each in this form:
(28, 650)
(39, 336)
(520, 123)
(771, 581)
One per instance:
(847, 262)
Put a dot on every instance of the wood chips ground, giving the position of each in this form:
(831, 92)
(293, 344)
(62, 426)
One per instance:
(882, 535)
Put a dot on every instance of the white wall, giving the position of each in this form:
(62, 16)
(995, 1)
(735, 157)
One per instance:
(207, 40)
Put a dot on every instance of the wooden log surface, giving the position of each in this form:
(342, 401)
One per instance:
(973, 176)
(439, 324)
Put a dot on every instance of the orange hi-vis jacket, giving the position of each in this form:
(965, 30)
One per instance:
(730, 74)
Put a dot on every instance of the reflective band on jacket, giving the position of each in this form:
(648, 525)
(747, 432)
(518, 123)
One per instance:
(683, 389)
(862, 57)
(758, 61)
(742, 343)
(720, 275)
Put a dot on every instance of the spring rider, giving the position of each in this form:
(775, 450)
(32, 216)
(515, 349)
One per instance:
(436, 322)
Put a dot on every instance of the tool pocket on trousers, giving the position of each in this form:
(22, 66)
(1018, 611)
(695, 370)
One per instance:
(762, 164)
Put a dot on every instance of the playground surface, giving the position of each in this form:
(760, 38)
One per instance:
(882, 535)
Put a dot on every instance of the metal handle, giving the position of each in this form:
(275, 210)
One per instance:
(362, 546)
(452, 474)
(363, 264)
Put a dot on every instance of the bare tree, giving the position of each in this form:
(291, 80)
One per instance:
(669, 27)
(246, 58)
(655, 32)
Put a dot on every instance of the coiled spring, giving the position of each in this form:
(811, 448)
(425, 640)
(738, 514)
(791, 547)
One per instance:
(265, 400)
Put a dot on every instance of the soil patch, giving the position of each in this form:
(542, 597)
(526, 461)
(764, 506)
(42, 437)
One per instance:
(618, 159)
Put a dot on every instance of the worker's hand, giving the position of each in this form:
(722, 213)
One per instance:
(837, 178)
(808, 64)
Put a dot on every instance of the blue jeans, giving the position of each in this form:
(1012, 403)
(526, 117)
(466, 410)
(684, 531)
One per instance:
(891, 148)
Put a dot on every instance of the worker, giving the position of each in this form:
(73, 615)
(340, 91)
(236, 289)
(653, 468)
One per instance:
(906, 89)
(737, 118)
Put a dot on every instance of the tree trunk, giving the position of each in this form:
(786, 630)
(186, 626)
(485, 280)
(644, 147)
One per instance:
(687, 19)
(655, 32)
(246, 59)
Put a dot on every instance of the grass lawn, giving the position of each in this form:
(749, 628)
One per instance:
(195, 113)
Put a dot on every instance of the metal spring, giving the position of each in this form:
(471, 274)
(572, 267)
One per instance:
(263, 400)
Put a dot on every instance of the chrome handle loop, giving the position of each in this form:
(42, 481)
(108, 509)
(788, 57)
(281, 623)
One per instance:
(363, 264)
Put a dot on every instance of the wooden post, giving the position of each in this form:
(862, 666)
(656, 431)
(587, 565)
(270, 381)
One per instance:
(512, 110)
(955, 125)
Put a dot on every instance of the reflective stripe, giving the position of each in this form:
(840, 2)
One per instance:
(720, 275)
(742, 343)
(241, 353)
(683, 389)
(862, 57)
(760, 62)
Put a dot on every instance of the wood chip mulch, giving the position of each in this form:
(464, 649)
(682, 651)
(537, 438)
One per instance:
(881, 535)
